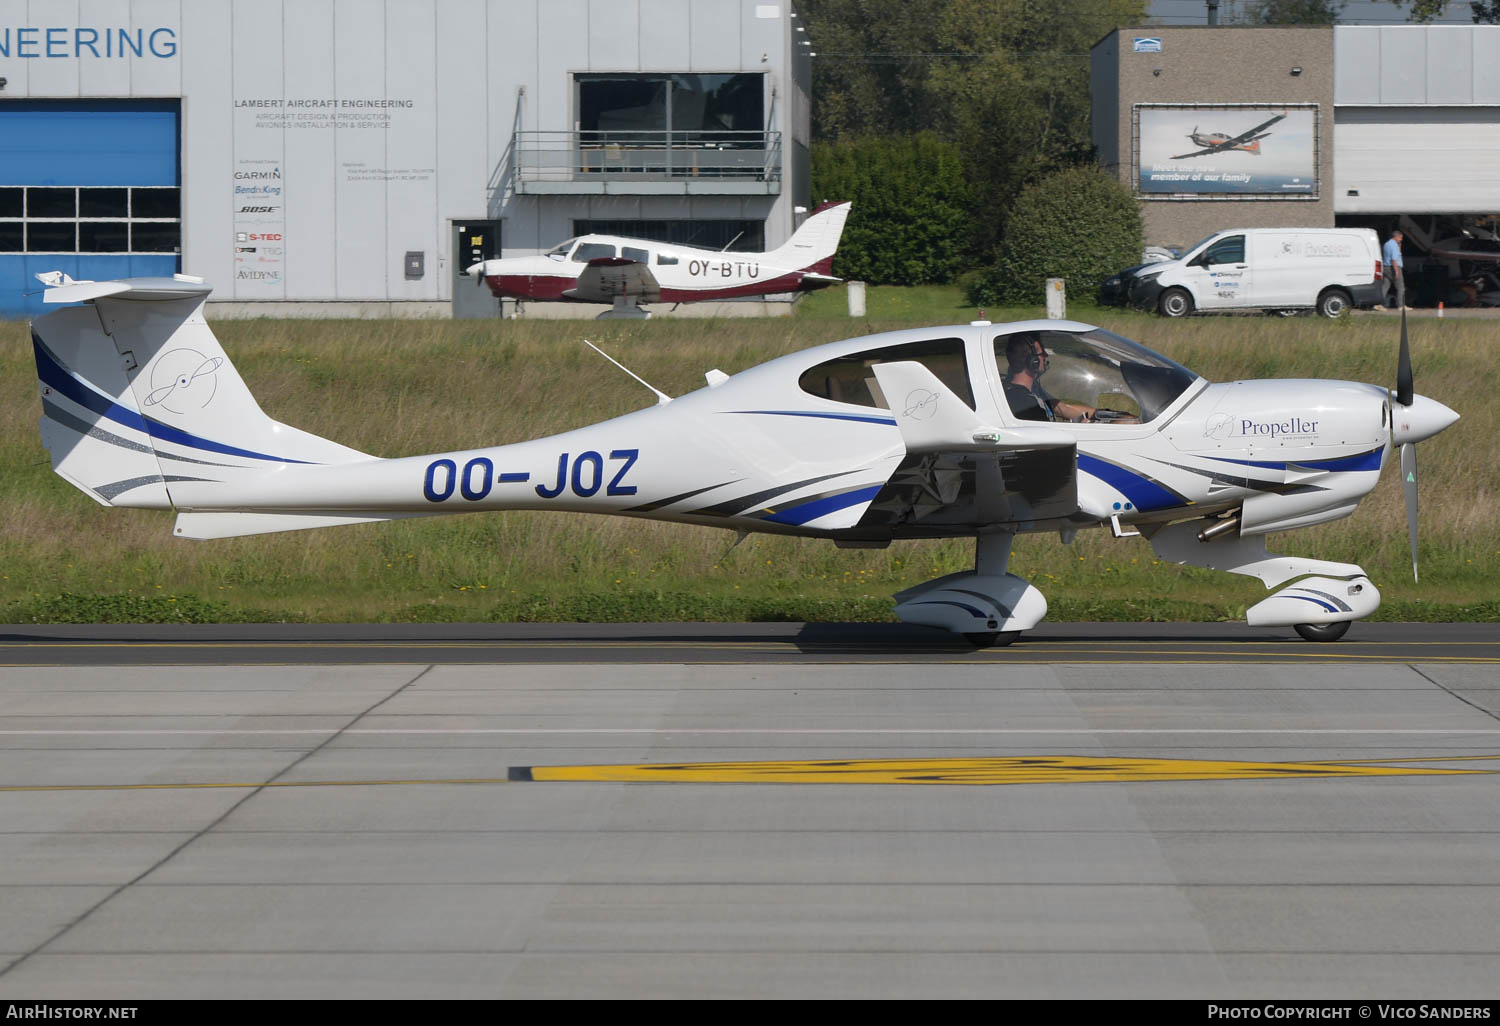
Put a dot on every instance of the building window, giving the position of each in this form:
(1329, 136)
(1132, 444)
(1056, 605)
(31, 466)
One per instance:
(49, 219)
(631, 109)
(733, 235)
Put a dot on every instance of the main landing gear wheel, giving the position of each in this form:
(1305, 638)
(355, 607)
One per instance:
(1323, 631)
(991, 639)
(1175, 303)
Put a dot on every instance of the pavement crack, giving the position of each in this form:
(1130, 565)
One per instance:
(1438, 684)
(169, 856)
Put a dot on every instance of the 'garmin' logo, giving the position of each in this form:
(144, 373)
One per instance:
(241, 176)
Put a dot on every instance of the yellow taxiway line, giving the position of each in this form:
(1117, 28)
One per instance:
(1046, 769)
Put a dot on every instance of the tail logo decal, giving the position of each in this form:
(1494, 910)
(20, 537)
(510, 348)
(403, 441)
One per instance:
(55, 376)
(183, 380)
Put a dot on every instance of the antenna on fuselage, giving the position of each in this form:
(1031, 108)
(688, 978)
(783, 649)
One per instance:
(661, 397)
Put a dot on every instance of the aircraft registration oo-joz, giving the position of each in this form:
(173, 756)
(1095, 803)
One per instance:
(626, 272)
(982, 430)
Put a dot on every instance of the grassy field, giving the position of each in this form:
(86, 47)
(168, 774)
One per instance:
(407, 387)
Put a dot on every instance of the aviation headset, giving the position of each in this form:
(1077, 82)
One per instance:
(1026, 352)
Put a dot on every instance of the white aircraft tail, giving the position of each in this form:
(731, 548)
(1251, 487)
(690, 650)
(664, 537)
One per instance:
(138, 395)
(812, 246)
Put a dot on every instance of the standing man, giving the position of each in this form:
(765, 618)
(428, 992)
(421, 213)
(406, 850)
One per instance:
(1395, 270)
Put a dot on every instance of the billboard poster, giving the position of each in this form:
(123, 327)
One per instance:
(1194, 150)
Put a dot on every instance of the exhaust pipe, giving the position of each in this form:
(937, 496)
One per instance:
(1223, 527)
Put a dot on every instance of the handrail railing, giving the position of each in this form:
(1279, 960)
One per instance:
(646, 155)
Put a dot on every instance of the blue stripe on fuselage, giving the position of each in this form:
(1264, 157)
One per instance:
(798, 515)
(860, 418)
(1142, 492)
(1359, 461)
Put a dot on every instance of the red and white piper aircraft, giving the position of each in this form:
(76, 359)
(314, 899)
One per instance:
(612, 269)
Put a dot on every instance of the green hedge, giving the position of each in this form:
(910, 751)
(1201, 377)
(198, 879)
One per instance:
(1078, 224)
(911, 207)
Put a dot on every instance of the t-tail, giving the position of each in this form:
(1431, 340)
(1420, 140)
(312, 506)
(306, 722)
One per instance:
(812, 246)
(139, 402)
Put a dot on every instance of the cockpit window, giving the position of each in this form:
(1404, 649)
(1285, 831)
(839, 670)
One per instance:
(560, 251)
(1097, 369)
(849, 379)
(592, 251)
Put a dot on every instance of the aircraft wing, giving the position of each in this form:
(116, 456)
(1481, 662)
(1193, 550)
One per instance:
(1246, 136)
(608, 277)
(1199, 153)
(959, 471)
(1467, 254)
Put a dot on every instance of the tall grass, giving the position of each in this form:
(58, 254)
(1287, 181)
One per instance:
(404, 387)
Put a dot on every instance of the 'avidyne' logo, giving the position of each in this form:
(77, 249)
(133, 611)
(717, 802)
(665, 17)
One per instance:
(183, 380)
(921, 404)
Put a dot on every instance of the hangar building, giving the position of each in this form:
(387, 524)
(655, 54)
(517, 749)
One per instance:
(1368, 126)
(354, 156)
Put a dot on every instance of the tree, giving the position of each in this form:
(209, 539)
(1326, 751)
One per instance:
(1482, 12)
(1295, 12)
(911, 206)
(1007, 80)
(1080, 225)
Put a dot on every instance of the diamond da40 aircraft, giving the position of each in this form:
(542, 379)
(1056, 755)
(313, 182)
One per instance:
(982, 430)
(625, 272)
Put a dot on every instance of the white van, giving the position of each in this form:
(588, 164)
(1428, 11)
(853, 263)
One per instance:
(1324, 269)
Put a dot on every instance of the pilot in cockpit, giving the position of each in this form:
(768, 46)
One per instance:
(1026, 360)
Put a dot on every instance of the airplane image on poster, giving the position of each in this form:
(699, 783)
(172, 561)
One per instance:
(1230, 151)
(1218, 142)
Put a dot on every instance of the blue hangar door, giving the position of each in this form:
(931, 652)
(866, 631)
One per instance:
(89, 187)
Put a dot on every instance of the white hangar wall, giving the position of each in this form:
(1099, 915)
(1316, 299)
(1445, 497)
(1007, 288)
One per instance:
(1417, 126)
(322, 141)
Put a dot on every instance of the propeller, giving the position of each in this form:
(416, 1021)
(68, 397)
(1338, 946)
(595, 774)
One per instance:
(1413, 418)
(1404, 395)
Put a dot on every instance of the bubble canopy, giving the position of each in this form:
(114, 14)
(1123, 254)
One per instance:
(1098, 368)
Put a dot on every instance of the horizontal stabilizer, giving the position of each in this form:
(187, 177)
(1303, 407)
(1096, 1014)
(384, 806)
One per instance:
(63, 289)
(202, 526)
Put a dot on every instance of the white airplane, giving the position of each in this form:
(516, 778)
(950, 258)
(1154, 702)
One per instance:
(982, 430)
(625, 272)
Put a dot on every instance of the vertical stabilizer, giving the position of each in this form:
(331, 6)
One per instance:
(138, 394)
(811, 247)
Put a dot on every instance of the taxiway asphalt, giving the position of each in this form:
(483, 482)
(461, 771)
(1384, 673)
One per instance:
(553, 811)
